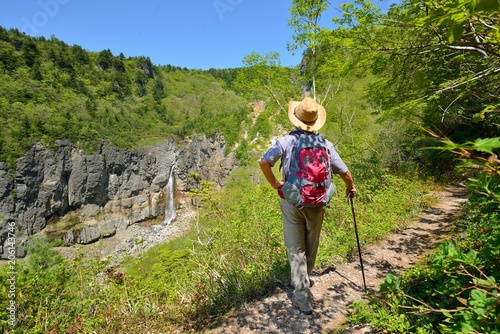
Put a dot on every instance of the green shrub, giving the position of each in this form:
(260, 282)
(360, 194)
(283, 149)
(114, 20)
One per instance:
(454, 291)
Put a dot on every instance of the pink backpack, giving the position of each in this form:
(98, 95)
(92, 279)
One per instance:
(309, 182)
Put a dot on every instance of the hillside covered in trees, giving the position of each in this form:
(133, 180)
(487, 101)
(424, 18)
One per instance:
(50, 90)
(412, 96)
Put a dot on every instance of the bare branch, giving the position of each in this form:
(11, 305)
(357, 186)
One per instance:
(469, 48)
(481, 75)
(448, 107)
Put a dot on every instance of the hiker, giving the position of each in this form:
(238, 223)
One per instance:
(303, 211)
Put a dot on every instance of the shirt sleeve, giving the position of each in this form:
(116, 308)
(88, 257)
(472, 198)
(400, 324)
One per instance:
(274, 153)
(338, 166)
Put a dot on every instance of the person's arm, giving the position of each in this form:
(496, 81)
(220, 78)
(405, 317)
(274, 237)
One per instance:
(269, 175)
(349, 183)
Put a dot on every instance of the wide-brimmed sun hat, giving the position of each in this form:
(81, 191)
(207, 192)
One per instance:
(307, 114)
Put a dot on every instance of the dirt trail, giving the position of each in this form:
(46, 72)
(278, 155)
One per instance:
(334, 290)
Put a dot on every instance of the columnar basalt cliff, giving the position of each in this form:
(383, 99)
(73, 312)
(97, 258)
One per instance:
(80, 198)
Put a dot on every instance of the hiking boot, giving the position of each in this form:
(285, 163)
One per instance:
(302, 299)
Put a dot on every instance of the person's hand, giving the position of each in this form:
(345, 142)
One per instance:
(351, 193)
(278, 184)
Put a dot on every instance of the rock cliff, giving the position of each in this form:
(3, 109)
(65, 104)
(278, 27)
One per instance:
(80, 198)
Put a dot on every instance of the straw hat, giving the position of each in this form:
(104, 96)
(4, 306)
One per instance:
(307, 114)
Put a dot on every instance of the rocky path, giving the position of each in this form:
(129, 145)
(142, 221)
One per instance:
(334, 290)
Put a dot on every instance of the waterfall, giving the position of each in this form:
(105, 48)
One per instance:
(170, 205)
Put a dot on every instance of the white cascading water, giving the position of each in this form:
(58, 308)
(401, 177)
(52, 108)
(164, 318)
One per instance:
(170, 205)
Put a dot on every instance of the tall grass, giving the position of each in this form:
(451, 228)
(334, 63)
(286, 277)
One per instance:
(234, 253)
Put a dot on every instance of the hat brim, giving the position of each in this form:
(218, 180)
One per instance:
(311, 127)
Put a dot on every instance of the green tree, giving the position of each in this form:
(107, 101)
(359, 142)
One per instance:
(263, 78)
(105, 59)
(305, 16)
(30, 52)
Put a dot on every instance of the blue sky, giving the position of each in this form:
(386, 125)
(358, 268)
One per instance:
(197, 34)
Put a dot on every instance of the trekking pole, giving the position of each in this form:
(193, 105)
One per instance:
(350, 195)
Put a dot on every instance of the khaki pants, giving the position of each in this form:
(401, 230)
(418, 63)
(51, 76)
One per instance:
(301, 229)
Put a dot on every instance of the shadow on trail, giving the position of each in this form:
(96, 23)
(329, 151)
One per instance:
(344, 288)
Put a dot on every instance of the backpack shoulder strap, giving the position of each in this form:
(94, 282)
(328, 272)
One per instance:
(295, 133)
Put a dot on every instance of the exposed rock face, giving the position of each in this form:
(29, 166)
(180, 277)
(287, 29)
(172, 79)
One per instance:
(80, 198)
